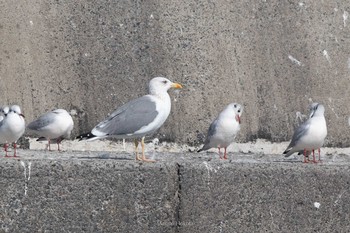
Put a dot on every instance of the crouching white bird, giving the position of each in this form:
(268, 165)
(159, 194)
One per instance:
(137, 118)
(12, 127)
(53, 126)
(224, 129)
(310, 135)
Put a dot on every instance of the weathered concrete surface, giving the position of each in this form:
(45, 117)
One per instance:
(87, 195)
(275, 57)
(182, 192)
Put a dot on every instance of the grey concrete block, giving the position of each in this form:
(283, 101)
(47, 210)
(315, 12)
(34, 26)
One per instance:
(187, 192)
(271, 197)
(87, 196)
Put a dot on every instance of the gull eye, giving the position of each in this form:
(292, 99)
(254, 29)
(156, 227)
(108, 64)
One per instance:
(235, 105)
(165, 81)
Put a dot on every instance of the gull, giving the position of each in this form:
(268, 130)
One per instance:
(310, 135)
(137, 118)
(12, 128)
(224, 129)
(311, 109)
(4, 110)
(53, 126)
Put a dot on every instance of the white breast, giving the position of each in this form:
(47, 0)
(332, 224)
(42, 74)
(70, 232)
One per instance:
(163, 107)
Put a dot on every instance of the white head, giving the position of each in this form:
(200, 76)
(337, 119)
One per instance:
(235, 109)
(160, 85)
(16, 110)
(317, 110)
(312, 109)
(4, 110)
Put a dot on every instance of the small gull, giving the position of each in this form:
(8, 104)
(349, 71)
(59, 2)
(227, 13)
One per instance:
(137, 118)
(310, 135)
(3, 112)
(224, 129)
(53, 126)
(12, 128)
(312, 111)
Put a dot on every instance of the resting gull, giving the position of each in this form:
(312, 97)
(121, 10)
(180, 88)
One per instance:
(53, 126)
(12, 128)
(310, 135)
(224, 129)
(137, 118)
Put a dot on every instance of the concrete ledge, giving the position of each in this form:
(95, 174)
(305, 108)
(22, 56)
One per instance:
(99, 192)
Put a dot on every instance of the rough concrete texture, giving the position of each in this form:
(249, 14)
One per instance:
(275, 57)
(50, 195)
(182, 192)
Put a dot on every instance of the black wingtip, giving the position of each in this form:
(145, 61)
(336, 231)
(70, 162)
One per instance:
(41, 139)
(85, 136)
(286, 153)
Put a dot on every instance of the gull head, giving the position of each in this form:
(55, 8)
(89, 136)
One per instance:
(316, 110)
(161, 84)
(236, 110)
(16, 110)
(4, 110)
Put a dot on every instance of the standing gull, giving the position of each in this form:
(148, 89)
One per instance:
(312, 111)
(224, 129)
(12, 128)
(55, 125)
(310, 135)
(137, 118)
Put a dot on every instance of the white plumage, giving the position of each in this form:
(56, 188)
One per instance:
(12, 127)
(310, 135)
(224, 128)
(137, 118)
(57, 124)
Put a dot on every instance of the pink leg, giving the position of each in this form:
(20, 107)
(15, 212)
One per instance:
(15, 149)
(225, 154)
(58, 144)
(219, 153)
(319, 154)
(5, 149)
(305, 151)
(48, 140)
(313, 156)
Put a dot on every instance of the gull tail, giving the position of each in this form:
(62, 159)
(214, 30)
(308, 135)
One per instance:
(86, 136)
(288, 152)
(41, 139)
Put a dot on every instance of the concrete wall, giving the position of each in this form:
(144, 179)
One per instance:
(180, 193)
(275, 57)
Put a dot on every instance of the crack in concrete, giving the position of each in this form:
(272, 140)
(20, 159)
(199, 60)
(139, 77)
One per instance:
(178, 196)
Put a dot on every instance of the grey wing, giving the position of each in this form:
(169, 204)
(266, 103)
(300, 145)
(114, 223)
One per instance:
(42, 121)
(130, 117)
(299, 133)
(212, 128)
(211, 132)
